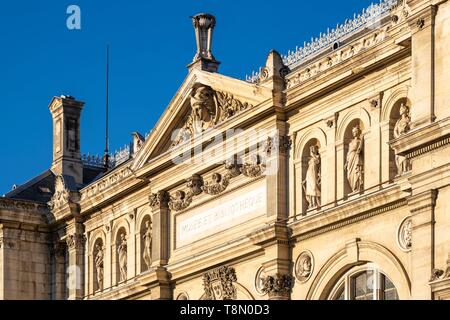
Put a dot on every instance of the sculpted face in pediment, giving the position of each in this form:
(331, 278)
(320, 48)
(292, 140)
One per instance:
(208, 108)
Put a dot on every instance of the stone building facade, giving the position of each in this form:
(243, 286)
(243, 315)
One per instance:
(323, 176)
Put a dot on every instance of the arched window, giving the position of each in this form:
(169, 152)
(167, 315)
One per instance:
(364, 283)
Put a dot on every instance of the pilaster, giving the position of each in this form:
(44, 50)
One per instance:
(422, 252)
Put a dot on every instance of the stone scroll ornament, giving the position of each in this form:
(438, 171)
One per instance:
(355, 161)
(208, 108)
(401, 128)
(219, 284)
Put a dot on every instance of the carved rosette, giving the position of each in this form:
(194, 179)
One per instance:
(75, 240)
(159, 200)
(219, 284)
(278, 286)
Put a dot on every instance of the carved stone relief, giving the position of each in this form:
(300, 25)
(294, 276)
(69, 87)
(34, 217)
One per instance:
(304, 266)
(279, 285)
(259, 281)
(401, 128)
(219, 284)
(404, 236)
(208, 108)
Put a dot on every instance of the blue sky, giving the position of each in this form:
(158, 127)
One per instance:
(151, 44)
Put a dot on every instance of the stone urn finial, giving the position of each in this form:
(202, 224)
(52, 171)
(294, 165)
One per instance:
(204, 26)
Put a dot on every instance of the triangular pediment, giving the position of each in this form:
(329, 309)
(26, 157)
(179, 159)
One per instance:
(204, 100)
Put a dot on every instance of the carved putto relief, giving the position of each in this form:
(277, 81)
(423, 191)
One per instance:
(208, 108)
(404, 236)
(312, 182)
(253, 167)
(218, 184)
(219, 284)
(401, 128)
(355, 162)
(304, 266)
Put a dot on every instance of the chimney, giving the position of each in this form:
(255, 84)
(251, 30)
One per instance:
(204, 59)
(66, 112)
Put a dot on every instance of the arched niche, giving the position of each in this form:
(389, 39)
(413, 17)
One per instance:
(121, 254)
(311, 167)
(355, 128)
(145, 237)
(98, 264)
(394, 116)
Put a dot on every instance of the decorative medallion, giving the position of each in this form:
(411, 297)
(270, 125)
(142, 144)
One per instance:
(404, 235)
(259, 281)
(219, 284)
(304, 266)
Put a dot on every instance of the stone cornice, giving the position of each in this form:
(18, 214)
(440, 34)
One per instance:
(423, 140)
(23, 206)
(347, 214)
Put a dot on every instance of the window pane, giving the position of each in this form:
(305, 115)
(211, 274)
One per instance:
(363, 286)
(390, 293)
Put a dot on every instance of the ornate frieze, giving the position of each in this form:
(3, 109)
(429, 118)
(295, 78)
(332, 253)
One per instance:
(104, 184)
(279, 285)
(338, 56)
(219, 284)
(208, 108)
(19, 205)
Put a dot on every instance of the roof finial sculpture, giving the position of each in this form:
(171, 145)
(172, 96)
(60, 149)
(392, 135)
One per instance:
(204, 26)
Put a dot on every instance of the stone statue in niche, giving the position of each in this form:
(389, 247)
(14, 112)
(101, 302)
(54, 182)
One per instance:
(147, 254)
(311, 185)
(355, 162)
(99, 265)
(122, 249)
(402, 127)
(204, 108)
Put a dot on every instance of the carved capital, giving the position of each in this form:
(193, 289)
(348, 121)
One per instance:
(159, 200)
(278, 286)
(76, 241)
